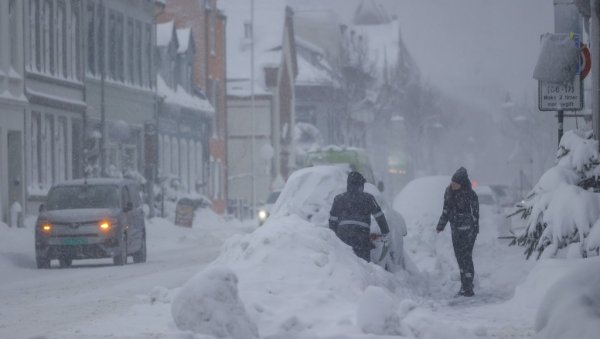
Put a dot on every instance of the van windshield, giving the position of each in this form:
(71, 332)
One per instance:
(85, 196)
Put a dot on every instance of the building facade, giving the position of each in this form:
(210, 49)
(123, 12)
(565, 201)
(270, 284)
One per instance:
(208, 26)
(55, 90)
(268, 121)
(184, 119)
(120, 85)
(13, 106)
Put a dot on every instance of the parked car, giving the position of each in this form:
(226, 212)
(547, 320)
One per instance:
(96, 218)
(265, 210)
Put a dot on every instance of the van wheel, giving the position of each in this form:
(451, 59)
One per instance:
(140, 256)
(65, 262)
(121, 258)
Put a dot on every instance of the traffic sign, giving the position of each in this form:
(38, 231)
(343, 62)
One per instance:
(567, 96)
(561, 97)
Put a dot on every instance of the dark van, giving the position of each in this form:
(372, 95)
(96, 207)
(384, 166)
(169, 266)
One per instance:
(95, 218)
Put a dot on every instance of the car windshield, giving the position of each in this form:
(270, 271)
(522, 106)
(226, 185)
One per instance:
(80, 197)
(273, 197)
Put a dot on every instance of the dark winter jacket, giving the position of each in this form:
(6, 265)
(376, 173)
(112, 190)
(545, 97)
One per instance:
(354, 208)
(461, 207)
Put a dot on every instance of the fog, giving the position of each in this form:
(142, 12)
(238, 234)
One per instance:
(479, 57)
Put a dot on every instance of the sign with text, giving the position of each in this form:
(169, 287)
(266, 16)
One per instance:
(561, 97)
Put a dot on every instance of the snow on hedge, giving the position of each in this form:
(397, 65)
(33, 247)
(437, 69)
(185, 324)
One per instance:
(571, 308)
(559, 211)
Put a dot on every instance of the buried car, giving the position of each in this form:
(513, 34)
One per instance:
(309, 194)
(96, 218)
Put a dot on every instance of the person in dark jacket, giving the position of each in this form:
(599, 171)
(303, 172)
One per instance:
(461, 209)
(350, 217)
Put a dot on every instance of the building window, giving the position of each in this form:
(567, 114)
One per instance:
(75, 34)
(60, 140)
(199, 163)
(48, 37)
(184, 163)
(175, 156)
(33, 35)
(212, 35)
(48, 168)
(91, 38)
(36, 150)
(130, 56)
(61, 38)
(112, 49)
(12, 22)
(120, 48)
(138, 53)
(149, 49)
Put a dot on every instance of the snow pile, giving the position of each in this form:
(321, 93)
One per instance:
(296, 278)
(377, 313)
(209, 304)
(571, 309)
(558, 211)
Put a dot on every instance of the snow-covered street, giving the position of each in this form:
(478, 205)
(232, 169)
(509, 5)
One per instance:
(294, 280)
(88, 299)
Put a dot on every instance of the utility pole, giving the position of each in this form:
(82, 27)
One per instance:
(566, 20)
(595, 51)
(253, 109)
(102, 85)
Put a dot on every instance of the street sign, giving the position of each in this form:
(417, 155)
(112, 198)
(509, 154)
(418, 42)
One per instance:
(561, 97)
(566, 96)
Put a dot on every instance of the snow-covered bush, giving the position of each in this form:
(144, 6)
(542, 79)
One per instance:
(571, 308)
(209, 304)
(563, 207)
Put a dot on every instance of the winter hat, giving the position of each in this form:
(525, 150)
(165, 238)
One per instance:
(356, 179)
(462, 177)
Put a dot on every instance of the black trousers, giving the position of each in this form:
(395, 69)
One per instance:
(463, 242)
(356, 237)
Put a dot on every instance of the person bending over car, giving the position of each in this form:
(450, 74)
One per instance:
(350, 217)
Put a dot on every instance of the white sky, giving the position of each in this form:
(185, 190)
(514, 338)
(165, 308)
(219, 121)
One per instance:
(468, 48)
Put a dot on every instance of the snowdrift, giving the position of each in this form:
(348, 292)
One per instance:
(571, 308)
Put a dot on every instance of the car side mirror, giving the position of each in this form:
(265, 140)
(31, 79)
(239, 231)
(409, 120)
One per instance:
(128, 207)
(380, 186)
(42, 208)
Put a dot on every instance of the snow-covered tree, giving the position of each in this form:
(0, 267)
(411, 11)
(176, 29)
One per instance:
(564, 206)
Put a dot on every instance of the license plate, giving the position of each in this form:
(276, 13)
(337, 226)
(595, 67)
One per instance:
(74, 241)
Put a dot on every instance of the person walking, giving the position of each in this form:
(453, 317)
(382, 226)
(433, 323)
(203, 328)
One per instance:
(461, 209)
(350, 217)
